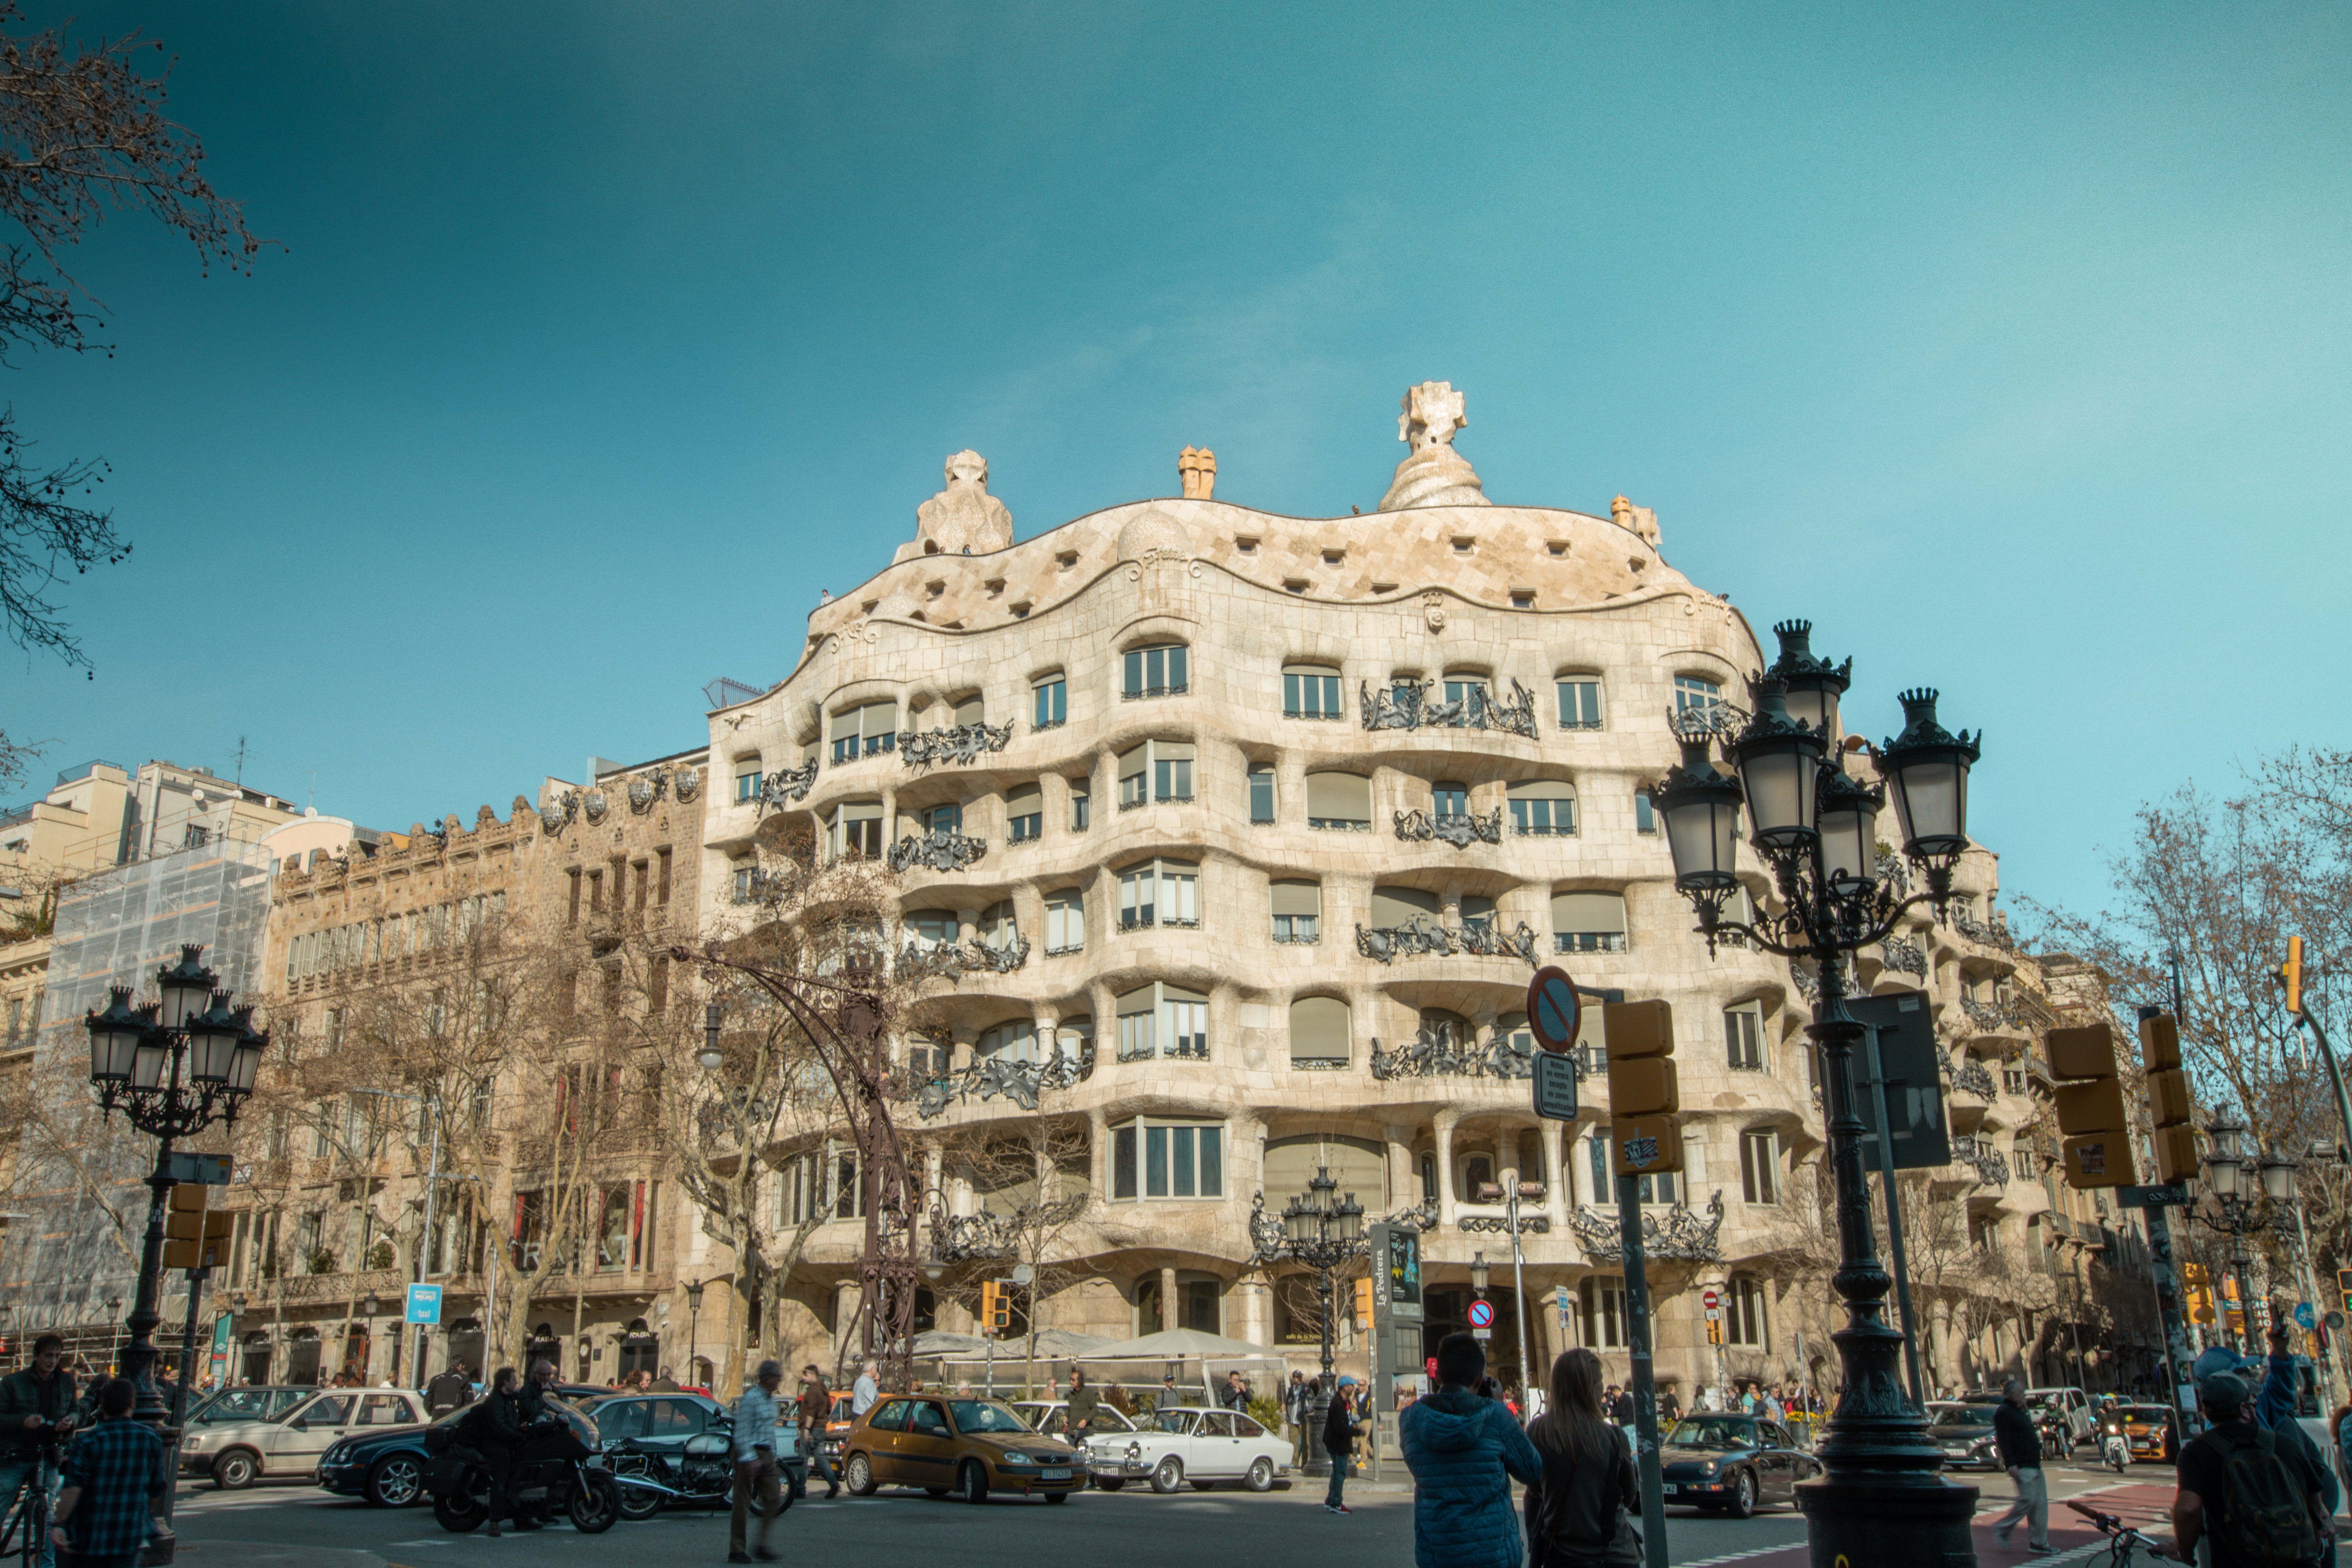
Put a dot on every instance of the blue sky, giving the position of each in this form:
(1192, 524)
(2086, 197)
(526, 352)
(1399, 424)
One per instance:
(2008, 344)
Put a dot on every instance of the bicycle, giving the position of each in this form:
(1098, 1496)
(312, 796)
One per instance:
(27, 1528)
(2121, 1537)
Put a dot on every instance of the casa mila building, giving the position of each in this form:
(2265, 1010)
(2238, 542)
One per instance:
(1251, 830)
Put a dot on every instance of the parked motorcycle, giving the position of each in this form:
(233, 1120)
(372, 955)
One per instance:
(556, 1467)
(701, 1471)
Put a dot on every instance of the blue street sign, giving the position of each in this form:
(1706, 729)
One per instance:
(424, 1303)
(2303, 1316)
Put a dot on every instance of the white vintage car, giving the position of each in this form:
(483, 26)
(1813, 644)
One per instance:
(1189, 1444)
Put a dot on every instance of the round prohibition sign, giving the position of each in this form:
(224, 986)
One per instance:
(1553, 1009)
(1481, 1314)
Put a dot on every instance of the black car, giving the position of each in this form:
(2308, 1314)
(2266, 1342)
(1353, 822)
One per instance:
(1732, 1464)
(1962, 1430)
(387, 1467)
(660, 1423)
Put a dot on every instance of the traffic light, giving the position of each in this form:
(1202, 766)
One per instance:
(1645, 1135)
(2291, 972)
(1364, 1301)
(2168, 1103)
(214, 1251)
(183, 1227)
(996, 1307)
(2091, 1107)
(2200, 1288)
(2344, 1287)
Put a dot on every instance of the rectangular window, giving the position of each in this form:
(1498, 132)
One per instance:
(661, 893)
(1693, 693)
(1297, 911)
(1065, 922)
(1310, 692)
(1172, 771)
(1024, 813)
(1542, 816)
(573, 918)
(1137, 889)
(1155, 1161)
(1471, 693)
(1180, 1160)
(1645, 818)
(1580, 704)
(1339, 801)
(1081, 804)
(1181, 1143)
(1156, 672)
(1759, 1166)
(1134, 777)
(1261, 791)
(1053, 704)
(1743, 1038)
(1122, 1164)
(1744, 1317)
(1188, 1031)
(747, 781)
(1601, 1298)
(1449, 800)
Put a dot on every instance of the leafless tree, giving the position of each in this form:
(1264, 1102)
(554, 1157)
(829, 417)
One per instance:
(1029, 1185)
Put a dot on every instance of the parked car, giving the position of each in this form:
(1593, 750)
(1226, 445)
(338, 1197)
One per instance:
(1189, 1443)
(1963, 1430)
(236, 1453)
(2153, 1432)
(1049, 1417)
(972, 1446)
(254, 1402)
(1732, 1464)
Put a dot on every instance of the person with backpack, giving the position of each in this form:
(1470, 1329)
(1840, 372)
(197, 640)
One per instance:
(1579, 1515)
(2253, 1500)
(1464, 1453)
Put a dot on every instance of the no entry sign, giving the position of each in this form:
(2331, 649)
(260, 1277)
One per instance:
(1552, 1008)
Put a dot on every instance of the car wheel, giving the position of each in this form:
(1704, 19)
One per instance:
(972, 1481)
(1742, 1504)
(1168, 1474)
(1111, 1483)
(1261, 1476)
(858, 1476)
(396, 1482)
(236, 1469)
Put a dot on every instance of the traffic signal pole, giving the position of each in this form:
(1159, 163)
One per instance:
(1644, 1384)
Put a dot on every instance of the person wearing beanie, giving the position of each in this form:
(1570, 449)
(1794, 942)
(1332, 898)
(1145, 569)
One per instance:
(1465, 1452)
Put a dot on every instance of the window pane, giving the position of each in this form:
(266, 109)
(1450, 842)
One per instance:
(1290, 684)
(1179, 1160)
(1261, 786)
(1645, 820)
(1134, 685)
(1212, 1162)
(1155, 1161)
(1176, 672)
(1122, 1162)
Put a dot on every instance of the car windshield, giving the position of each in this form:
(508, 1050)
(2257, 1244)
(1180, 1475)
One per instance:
(236, 1404)
(1711, 1433)
(1961, 1415)
(984, 1415)
(2152, 1415)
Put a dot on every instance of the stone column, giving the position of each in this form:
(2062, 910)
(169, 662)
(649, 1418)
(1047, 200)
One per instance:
(1443, 1124)
(1556, 1195)
(1098, 1155)
(1401, 1192)
(1167, 1315)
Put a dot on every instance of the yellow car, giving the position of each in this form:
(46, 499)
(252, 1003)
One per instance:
(969, 1446)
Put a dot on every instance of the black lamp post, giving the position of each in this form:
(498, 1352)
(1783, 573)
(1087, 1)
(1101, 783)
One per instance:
(2238, 1207)
(1814, 828)
(174, 1066)
(693, 1325)
(1323, 1231)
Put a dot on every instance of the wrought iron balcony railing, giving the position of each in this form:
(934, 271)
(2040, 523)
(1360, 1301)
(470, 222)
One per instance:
(1410, 705)
(941, 851)
(964, 745)
(1461, 830)
(1679, 1235)
(1422, 934)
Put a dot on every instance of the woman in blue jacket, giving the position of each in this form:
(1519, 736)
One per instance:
(1465, 1452)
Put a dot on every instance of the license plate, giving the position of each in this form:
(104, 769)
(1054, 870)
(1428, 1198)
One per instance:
(1056, 1475)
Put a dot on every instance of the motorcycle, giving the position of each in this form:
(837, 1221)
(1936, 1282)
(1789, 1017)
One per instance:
(2114, 1448)
(700, 1472)
(2057, 1438)
(556, 1467)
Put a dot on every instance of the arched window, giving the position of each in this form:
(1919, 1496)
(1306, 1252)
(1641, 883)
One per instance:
(1358, 1164)
(970, 710)
(1478, 910)
(1320, 1035)
(1449, 1030)
(1159, 671)
(1588, 922)
(1014, 1042)
(1696, 693)
(1310, 692)
(1074, 1036)
(1052, 701)
(1342, 802)
(863, 730)
(997, 929)
(928, 929)
(1542, 808)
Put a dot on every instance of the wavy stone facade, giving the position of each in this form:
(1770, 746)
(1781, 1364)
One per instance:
(1504, 677)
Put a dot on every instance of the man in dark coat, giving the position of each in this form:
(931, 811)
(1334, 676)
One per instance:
(497, 1430)
(449, 1391)
(1340, 1429)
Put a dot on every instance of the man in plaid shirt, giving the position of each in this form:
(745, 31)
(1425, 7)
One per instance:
(114, 1480)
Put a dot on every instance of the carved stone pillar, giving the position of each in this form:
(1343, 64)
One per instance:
(1443, 1124)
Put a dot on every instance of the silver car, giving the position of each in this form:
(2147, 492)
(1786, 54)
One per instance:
(236, 1454)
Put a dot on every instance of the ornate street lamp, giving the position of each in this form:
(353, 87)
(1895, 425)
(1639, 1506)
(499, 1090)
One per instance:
(2246, 1192)
(1322, 1231)
(174, 1068)
(1815, 829)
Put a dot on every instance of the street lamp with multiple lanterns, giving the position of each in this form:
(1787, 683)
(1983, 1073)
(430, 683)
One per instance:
(174, 1068)
(1324, 1231)
(1814, 826)
(2234, 1212)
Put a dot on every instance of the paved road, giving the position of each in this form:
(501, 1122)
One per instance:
(283, 1526)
